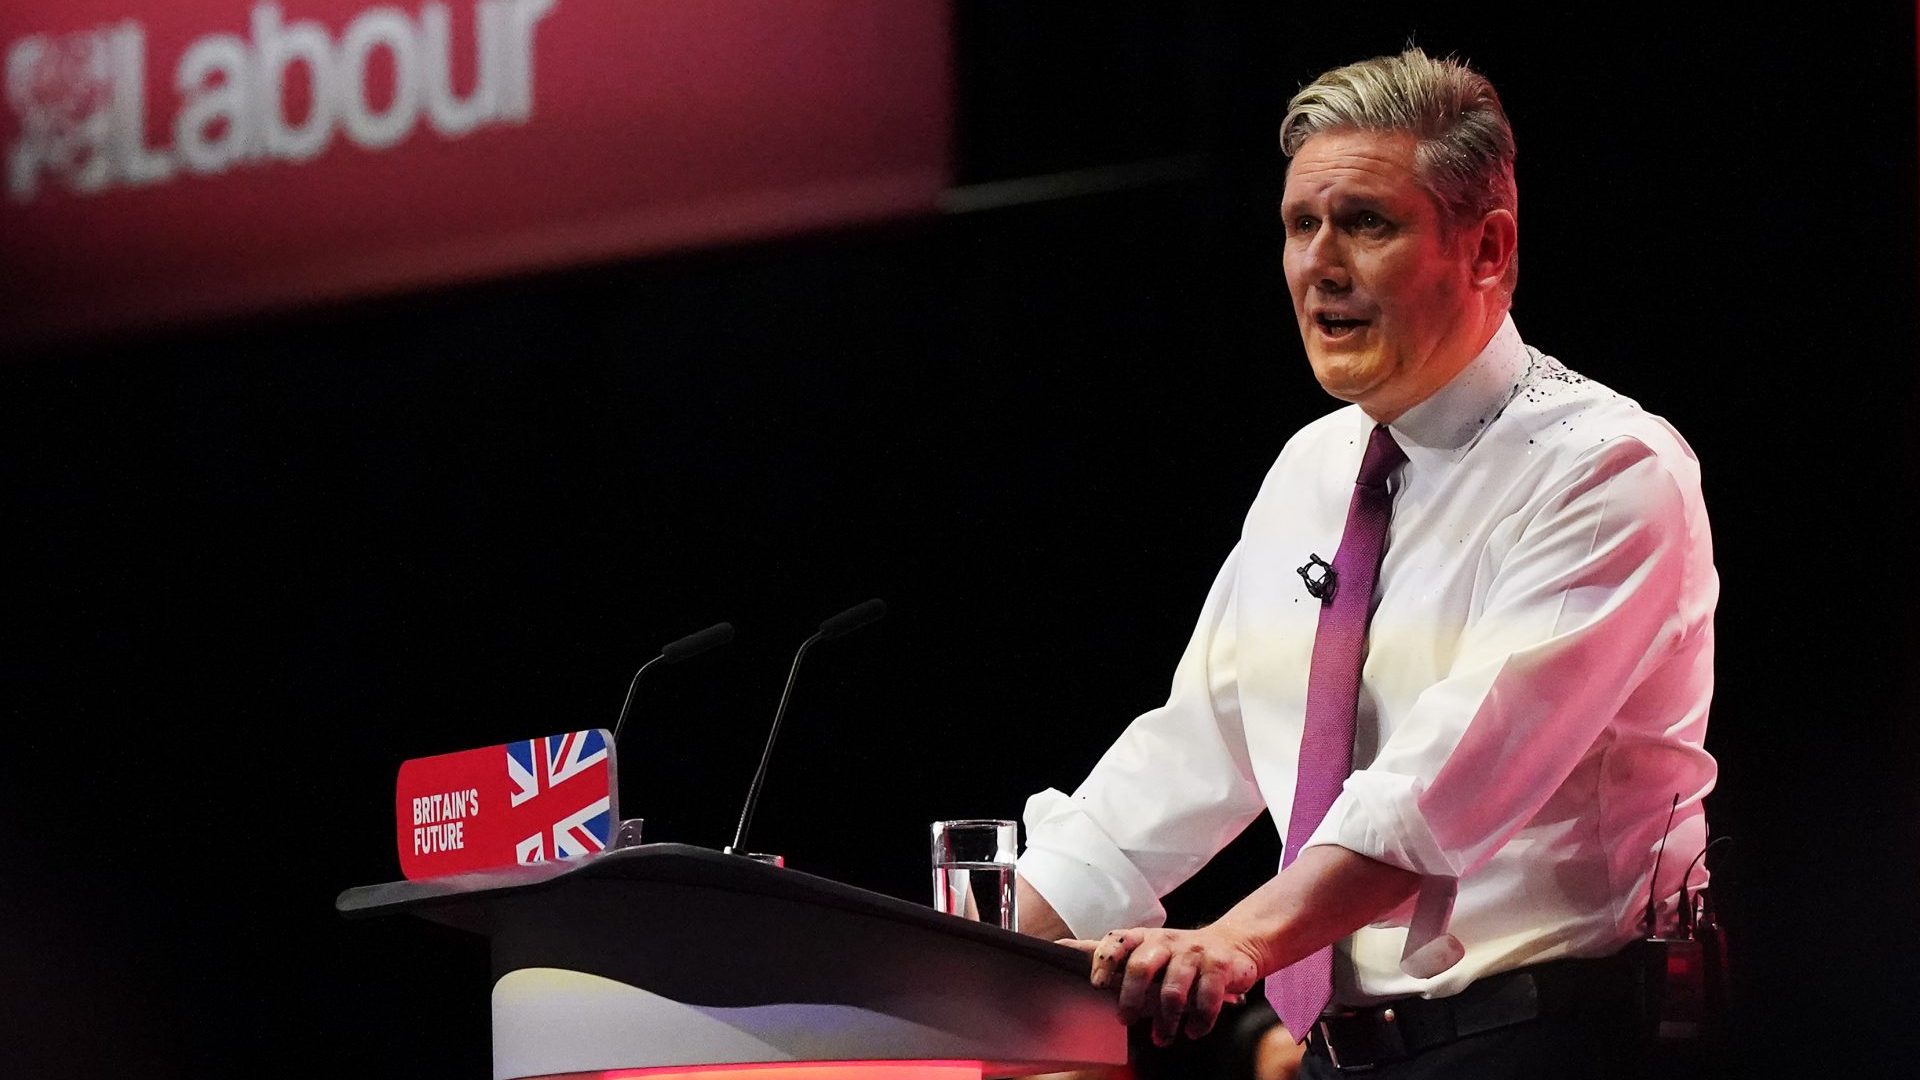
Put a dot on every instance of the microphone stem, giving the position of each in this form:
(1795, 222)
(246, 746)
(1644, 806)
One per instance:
(628, 704)
(760, 774)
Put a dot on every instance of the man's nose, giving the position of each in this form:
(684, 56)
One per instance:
(1325, 260)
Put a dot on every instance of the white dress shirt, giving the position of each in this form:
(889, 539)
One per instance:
(1535, 692)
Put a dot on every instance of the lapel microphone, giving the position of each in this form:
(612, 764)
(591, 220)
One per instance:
(1321, 579)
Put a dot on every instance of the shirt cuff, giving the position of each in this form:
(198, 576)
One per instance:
(1378, 815)
(1070, 860)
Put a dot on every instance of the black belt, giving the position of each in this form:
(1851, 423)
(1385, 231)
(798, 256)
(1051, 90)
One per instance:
(1355, 1040)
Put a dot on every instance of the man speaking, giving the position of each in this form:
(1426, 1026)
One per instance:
(1462, 651)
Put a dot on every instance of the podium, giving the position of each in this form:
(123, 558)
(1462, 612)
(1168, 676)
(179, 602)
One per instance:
(665, 960)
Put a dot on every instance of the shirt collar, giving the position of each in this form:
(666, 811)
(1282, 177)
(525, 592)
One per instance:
(1467, 405)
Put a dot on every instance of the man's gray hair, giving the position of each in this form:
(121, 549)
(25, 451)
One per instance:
(1464, 155)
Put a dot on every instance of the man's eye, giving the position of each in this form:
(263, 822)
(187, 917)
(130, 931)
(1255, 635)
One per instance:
(1369, 221)
(1304, 225)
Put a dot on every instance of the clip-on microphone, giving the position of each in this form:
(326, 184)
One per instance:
(1321, 578)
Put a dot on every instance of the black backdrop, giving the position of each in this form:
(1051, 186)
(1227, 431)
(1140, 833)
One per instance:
(254, 566)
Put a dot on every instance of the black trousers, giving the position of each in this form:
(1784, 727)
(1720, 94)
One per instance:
(1589, 1034)
(1550, 1048)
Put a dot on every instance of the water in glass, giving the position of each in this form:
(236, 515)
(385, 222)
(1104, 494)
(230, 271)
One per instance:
(982, 891)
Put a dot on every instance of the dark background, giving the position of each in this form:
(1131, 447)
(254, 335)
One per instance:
(253, 566)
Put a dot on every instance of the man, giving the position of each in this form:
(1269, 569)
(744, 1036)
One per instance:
(1471, 724)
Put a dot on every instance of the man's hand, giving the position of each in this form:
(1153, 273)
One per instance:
(1180, 978)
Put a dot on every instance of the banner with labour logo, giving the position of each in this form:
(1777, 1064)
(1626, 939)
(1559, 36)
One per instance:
(531, 801)
(161, 162)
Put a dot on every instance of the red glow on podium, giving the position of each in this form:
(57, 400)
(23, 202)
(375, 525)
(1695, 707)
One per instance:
(790, 1070)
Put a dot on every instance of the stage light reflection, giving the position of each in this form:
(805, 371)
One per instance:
(787, 1070)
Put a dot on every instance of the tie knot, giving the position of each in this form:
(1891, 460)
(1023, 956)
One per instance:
(1383, 456)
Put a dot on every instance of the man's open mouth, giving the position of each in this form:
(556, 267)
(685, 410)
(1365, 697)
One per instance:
(1334, 326)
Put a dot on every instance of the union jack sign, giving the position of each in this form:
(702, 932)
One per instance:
(543, 766)
(515, 803)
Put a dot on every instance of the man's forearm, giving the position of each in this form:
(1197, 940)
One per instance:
(1037, 917)
(1326, 894)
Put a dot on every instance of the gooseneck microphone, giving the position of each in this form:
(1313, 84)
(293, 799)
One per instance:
(673, 652)
(839, 626)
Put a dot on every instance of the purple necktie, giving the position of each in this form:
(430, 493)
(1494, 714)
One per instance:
(1300, 992)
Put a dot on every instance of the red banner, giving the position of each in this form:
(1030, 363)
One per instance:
(167, 161)
(517, 803)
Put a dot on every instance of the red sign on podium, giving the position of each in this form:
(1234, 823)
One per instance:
(512, 804)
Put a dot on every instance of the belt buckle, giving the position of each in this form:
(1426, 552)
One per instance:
(1375, 1030)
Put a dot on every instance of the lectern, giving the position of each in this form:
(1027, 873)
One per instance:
(665, 960)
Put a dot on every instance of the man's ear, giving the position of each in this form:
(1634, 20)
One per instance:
(1493, 244)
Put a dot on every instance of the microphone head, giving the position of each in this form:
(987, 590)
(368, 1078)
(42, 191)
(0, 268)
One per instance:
(696, 643)
(852, 619)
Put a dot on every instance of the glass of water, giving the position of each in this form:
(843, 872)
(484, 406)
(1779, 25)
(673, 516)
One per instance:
(973, 869)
